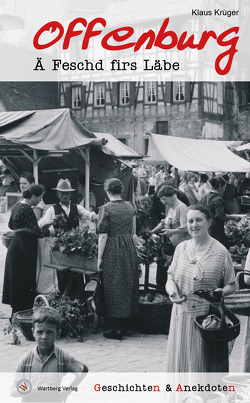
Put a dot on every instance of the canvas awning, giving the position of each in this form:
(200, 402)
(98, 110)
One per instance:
(243, 147)
(232, 144)
(116, 148)
(194, 155)
(52, 129)
(32, 139)
(55, 130)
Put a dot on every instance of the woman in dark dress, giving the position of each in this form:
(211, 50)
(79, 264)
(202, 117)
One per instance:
(19, 288)
(117, 258)
(215, 204)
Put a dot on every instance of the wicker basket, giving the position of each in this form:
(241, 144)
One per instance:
(7, 238)
(239, 302)
(225, 333)
(154, 318)
(24, 318)
(73, 260)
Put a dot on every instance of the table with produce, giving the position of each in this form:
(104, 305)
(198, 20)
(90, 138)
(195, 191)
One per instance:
(73, 255)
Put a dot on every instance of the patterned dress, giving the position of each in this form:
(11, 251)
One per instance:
(186, 350)
(19, 289)
(120, 266)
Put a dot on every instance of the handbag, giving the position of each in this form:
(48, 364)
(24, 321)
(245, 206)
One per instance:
(99, 297)
(226, 329)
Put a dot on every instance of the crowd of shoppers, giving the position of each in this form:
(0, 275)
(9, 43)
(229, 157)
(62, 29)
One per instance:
(189, 212)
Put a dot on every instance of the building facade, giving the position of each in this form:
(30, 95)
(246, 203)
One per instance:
(130, 110)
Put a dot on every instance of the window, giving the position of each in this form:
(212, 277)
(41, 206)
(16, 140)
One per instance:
(210, 90)
(99, 95)
(76, 97)
(212, 131)
(248, 92)
(146, 143)
(244, 94)
(124, 95)
(220, 93)
(162, 127)
(150, 92)
(211, 104)
(123, 140)
(179, 91)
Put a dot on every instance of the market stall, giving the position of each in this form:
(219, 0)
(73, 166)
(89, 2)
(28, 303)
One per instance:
(53, 144)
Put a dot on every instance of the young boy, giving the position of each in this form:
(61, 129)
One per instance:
(45, 360)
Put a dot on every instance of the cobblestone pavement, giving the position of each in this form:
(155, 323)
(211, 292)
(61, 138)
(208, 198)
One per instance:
(135, 353)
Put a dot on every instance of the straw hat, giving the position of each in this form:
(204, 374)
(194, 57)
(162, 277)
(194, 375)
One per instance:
(64, 186)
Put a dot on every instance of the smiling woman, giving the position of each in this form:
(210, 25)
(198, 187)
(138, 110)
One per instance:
(197, 225)
(201, 263)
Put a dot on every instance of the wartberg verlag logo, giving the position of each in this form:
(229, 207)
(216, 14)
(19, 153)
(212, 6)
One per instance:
(24, 387)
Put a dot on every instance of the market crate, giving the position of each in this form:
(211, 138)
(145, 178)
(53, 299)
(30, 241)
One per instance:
(73, 260)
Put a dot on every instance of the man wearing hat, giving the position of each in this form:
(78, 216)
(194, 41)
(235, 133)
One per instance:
(74, 214)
